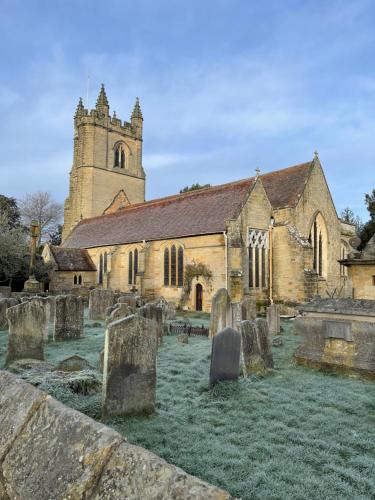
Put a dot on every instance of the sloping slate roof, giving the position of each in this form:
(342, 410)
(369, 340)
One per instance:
(198, 212)
(72, 259)
(285, 187)
(204, 211)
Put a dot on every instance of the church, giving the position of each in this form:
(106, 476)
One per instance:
(275, 237)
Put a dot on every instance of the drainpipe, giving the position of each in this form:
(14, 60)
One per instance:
(226, 258)
(270, 230)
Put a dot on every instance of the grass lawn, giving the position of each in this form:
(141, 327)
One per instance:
(294, 434)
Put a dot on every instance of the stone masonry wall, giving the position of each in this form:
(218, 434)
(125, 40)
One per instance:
(49, 451)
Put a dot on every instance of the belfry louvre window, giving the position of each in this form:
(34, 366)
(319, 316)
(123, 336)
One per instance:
(174, 266)
(258, 258)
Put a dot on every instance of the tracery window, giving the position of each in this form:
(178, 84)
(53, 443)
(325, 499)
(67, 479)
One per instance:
(174, 266)
(258, 258)
(318, 240)
(119, 160)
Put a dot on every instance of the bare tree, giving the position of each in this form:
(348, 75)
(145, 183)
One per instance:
(41, 207)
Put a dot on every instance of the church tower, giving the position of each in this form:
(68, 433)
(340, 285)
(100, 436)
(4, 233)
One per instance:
(107, 171)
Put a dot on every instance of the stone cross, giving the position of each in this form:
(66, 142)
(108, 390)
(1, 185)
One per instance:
(32, 285)
(129, 372)
(225, 356)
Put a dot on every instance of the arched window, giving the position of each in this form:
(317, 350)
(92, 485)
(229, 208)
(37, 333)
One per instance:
(80, 279)
(130, 269)
(319, 241)
(100, 280)
(258, 258)
(174, 266)
(166, 266)
(135, 263)
(119, 160)
(105, 262)
(180, 266)
(75, 279)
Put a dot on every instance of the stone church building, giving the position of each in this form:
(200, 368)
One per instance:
(274, 236)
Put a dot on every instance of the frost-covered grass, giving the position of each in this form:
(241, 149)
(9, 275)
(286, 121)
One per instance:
(294, 434)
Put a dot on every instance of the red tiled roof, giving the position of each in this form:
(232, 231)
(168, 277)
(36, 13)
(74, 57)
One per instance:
(72, 259)
(285, 187)
(204, 211)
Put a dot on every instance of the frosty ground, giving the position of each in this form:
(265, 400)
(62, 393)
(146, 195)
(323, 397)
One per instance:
(295, 433)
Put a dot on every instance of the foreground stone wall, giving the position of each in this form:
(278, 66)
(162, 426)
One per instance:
(49, 451)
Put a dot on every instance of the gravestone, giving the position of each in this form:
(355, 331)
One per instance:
(248, 309)
(221, 313)
(5, 292)
(27, 323)
(273, 319)
(52, 302)
(264, 342)
(236, 315)
(130, 299)
(73, 363)
(225, 356)
(183, 338)
(119, 311)
(3, 315)
(68, 317)
(44, 303)
(99, 300)
(129, 372)
(252, 358)
(155, 314)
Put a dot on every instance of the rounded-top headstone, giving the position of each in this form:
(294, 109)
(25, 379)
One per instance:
(221, 312)
(225, 356)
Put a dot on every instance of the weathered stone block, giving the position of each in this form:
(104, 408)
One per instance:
(59, 454)
(133, 473)
(18, 402)
(99, 300)
(27, 325)
(221, 314)
(129, 374)
(225, 356)
(68, 317)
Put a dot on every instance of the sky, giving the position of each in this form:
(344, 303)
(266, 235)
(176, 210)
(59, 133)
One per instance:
(225, 86)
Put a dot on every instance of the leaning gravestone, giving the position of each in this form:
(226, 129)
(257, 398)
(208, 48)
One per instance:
(252, 359)
(248, 309)
(68, 317)
(264, 342)
(155, 314)
(3, 315)
(129, 372)
(130, 299)
(27, 323)
(99, 300)
(44, 303)
(273, 319)
(225, 356)
(221, 313)
(118, 311)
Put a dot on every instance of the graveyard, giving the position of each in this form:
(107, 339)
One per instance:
(291, 429)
